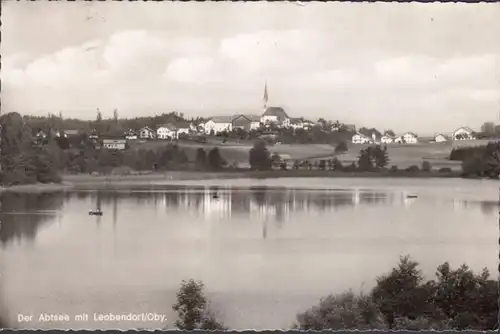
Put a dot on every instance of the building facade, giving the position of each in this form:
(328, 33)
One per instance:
(463, 133)
(114, 144)
(360, 138)
(146, 133)
(219, 124)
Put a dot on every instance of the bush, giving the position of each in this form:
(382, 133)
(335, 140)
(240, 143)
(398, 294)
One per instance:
(341, 147)
(403, 300)
(412, 169)
(259, 156)
(193, 309)
(337, 165)
(393, 169)
(426, 166)
(445, 170)
(341, 312)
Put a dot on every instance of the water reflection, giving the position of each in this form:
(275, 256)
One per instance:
(261, 202)
(22, 215)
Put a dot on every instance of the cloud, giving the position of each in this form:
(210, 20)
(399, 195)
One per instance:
(276, 51)
(191, 70)
(306, 69)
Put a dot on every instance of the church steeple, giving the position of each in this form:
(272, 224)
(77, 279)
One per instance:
(266, 97)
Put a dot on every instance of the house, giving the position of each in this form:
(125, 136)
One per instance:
(296, 123)
(246, 122)
(360, 138)
(440, 138)
(308, 125)
(166, 131)
(67, 133)
(94, 135)
(387, 139)
(219, 124)
(183, 129)
(407, 138)
(463, 133)
(114, 144)
(130, 135)
(146, 133)
(275, 115)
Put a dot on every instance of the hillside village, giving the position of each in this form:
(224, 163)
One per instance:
(269, 124)
(271, 121)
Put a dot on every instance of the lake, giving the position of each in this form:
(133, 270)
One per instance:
(265, 249)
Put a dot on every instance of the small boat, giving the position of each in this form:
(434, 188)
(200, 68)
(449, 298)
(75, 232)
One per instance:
(411, 196)
(95, 212)
(215, 196)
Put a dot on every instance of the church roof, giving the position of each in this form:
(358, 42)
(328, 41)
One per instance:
(276, 111)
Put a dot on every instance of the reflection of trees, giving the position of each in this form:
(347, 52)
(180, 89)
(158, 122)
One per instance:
(22, 214)
(489, 208)
(276, 202)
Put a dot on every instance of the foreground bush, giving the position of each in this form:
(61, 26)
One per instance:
(457, 299)
(342, 311)
(193, 310)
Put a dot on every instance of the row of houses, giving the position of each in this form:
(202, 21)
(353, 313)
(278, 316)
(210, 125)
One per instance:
(272, 117)
(462, 133)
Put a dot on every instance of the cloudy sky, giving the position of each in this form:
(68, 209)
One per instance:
(420, 67)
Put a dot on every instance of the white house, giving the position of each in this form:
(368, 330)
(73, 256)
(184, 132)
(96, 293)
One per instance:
(114, 144)
(246, 122)
(296, 123)
(386, 139)
(407, 138)
(166, 131)
(307, 125)
(275, 115)
(146, 133)
(440, 138)
(183, 129)
(360, 138)
(93, 134)
(463, 133)
(130, 135)
(219, 124)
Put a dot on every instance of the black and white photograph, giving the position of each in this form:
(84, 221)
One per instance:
(249, 165)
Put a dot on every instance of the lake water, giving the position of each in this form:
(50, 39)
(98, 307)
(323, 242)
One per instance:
(265, 249)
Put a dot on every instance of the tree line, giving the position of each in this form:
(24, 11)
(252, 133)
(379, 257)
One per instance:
(479, 161)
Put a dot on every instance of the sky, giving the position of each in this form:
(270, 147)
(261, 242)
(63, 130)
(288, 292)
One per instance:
(424, 68)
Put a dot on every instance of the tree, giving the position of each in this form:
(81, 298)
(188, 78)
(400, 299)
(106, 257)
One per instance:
(492, 160)
(341, 312)
(341, 147)
(201, 158)
(322, 164)
(380, 156)
(426, 166)
(337, 165)
(193, 310)
(365, 162)
(98, 118)
(390, 133)
(215, 160)
(488, 128)
(470, 300)
(259, 156)
(401, 293)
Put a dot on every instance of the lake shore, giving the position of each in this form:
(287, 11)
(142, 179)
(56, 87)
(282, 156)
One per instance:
(82, 181)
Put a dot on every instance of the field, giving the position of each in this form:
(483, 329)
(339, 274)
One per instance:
(402, 155)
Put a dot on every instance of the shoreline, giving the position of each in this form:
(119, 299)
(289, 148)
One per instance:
(83, 181)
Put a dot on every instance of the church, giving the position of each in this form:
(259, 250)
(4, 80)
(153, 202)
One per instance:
(273, 115)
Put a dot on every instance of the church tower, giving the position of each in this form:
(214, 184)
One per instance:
(266, 97)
